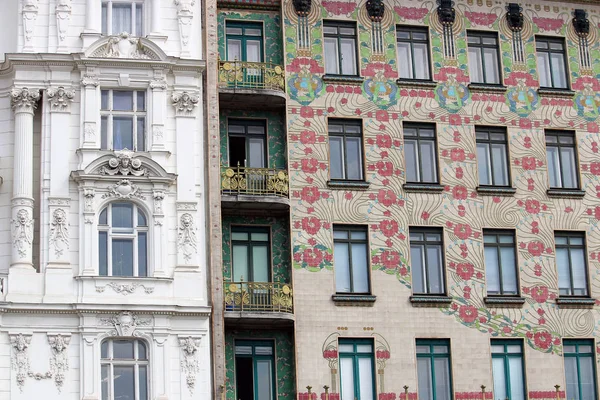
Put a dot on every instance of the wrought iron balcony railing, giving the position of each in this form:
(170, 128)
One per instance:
(254, 181)
(251, 75)
(259, 296)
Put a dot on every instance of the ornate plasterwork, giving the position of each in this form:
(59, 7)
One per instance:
(22, 231)
(90, 80)
(30, 12)
(20, 358)
(60, 98)
(59, 232)
(125, 46)
(88, 199)
(125, 288)
(185, 15)
(187, 241)
(124, 323)
(158, 196)
(184, 103)
(189, 363)
(158, 84)
(24, 99)
(63, 17)
(123, 189)
(123, 163)
(59, 361)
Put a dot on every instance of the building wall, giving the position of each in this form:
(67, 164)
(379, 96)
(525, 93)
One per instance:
(388, 210)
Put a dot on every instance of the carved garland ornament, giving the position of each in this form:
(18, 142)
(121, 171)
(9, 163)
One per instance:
(60, 98)
(123, 189)
(124, 289)
(189, 363)
(124, 324)
(184, 103)
(59, 232)
(123, 164)
(22, 232)
(63, 16)
(187, 241)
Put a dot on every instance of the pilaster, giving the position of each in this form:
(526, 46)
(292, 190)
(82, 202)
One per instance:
(158, 87)
(90, 137)
(92, 31)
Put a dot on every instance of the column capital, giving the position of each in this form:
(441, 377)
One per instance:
(184, 103)
(24, 100)
(160, 83)
(60, 98)
(90, 80)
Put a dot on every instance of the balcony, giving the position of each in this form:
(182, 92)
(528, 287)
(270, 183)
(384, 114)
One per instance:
(243, 187)
(251, 84)
(258, 303)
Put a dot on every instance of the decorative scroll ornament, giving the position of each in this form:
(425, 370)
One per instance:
(124, 324)
(185, 14)
(90, 80)
(124, 289)
(60, 98)
(59, 361)
(184, 103)
(22, 232)
(446, 12)
(375, 10)
(302, 7)
(189, 363)
(30, 12)
(63, 16)
(24, 99)
(123, 163)
(514, 16)
(20, 359)
(125, 46)
(123, 189)
(581, 23)
(158, 84)
(59, 232)
(187, 241)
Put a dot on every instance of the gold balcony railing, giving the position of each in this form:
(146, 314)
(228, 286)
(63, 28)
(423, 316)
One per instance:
(258, 296)
(254, 181)
(251, 75)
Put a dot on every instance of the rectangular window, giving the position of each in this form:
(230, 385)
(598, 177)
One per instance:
(433, 370)
(492, 156)
(247, 143)
(351, 263)
(571, 263)
(254, 370)
(500, 262)
(123, 120)
(120, 16)
(420, 150)
(552, 62)
(345, 149)
(340, 48)
(251, 254)
(413, 53)
(561, 154)
(357, 369)
(484, 57)
(244, 41)
(507, 369)
(580, 370)
(427, 260)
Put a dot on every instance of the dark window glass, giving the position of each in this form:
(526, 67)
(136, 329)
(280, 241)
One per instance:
(427, 260)
(247, 143)
(244, 42)
(124, 370)
(340, 48)
(254, 370)
(351, 259)
(571, 263)
(413, 53)
(420, 151)
(345, 149)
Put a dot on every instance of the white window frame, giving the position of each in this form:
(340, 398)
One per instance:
(135, 114)
(123, 233)
(107, 25)
(135, 362)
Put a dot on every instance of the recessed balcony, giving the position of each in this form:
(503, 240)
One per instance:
(258, 303)
(252, 187)
(251, 84)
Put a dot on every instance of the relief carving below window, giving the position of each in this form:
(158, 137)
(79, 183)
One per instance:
(123, 163)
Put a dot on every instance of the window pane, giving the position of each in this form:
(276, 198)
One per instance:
(141, 219)
(483, 164)
(103, 253)
(143, 382)
(257, 153)
(428, 162)
(365, 373)
(104, 99)
(122, 257)
(517, 386)
(360, 273)
(405, 61)
(331, 57)
(499, 376)
(586, 376)
(260, 237)
(122, 215)
(347, 378)
(553, 167)
(348, 56)
(342, 267)
(264, 379)
(421, 60)
(240, 263)
(418, 278)
(124, 383)
(509, 271)
(442, 378)
(543, 60)
(253, 51)
(104, 133)
(358, 235)
(558, 70)
(123, 349)
(492, 270)
(122, 133)
(579, 272)
(104, 380)
(139, 19)
(564, 275)
(104, 28)
(234, 50)
(490, 57)
(121, 18)
(346, 348)
(434, 268)
(122, 101)
(410, 151)
(364, 348)
(500, 168)
(141, 134)
(354, 158)
(571, 378)
(425, 379)
(141, 351)
(104, 349)
(475, 65)
(569, 169)
(340, 234)
(243, 350)
(142, 255)
(239, 235)
(260, 263)
(336, 157)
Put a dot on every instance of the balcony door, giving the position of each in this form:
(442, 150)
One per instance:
(251, 254)
(244, 41)
(247, 143)
(254, 370)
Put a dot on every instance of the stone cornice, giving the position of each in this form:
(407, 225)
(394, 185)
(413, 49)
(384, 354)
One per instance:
(83, 308)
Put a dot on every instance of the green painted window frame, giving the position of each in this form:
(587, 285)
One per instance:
(498, 245)
(244, 38)
(505, 356)
(255, 358)
(432, 356)
(249, 246)
(246, 135)
(355, 356)
(579, 355)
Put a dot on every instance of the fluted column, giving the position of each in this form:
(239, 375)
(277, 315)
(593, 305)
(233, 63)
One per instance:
(24, 103)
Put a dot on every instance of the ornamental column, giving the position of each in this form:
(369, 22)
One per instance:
(92, 29)
(24, 103)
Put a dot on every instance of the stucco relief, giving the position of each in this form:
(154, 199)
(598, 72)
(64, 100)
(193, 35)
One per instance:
(20, 358)
(124, 189)
(184, 103)
(59, 232)
(123, 163)
(22, 232)
(63, 17)
(24, 99)
(60, 98)
(125, 45)
(187, 241)
(124, 324)
(189, 363)
(125, 288)
(185, 16)
(30, 13)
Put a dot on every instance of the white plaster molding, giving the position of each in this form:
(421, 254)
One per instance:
(123, 163)
(158, 84)
(158, 196)
(90, 80)
(125, 288)
(187, 241)
(63, 18)
(124, 323)
(60, 99)
(89, 131)
(189, 363)
(24, 99)
(185, 16)
(19, 360)
(59, 232)
(184, 103)
(123, 189)
(124, 45)
(30, 13)
(22, 231)
(88, 200)
(157, 133)
(59, 361)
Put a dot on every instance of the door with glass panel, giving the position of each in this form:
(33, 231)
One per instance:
(357, 370)
(245, 44)
(507, 369)
(254, 370)
(251, 255)
(580, 369)
(247, 148)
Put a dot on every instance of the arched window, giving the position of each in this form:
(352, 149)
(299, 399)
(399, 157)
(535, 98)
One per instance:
(123, 240)
(124, 365)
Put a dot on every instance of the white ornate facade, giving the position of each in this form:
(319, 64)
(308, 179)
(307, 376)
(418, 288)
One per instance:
(102, 201)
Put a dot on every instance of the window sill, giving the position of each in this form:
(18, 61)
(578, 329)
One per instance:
(348, 185)
(504, 301)
(489, 88)
(416, 83)
(575, 302)
(496, 190)
(124, 278)
(425, 300)
(566, 193)
(423, 187)
(354, 300)
(556, 92)
(347, 79)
